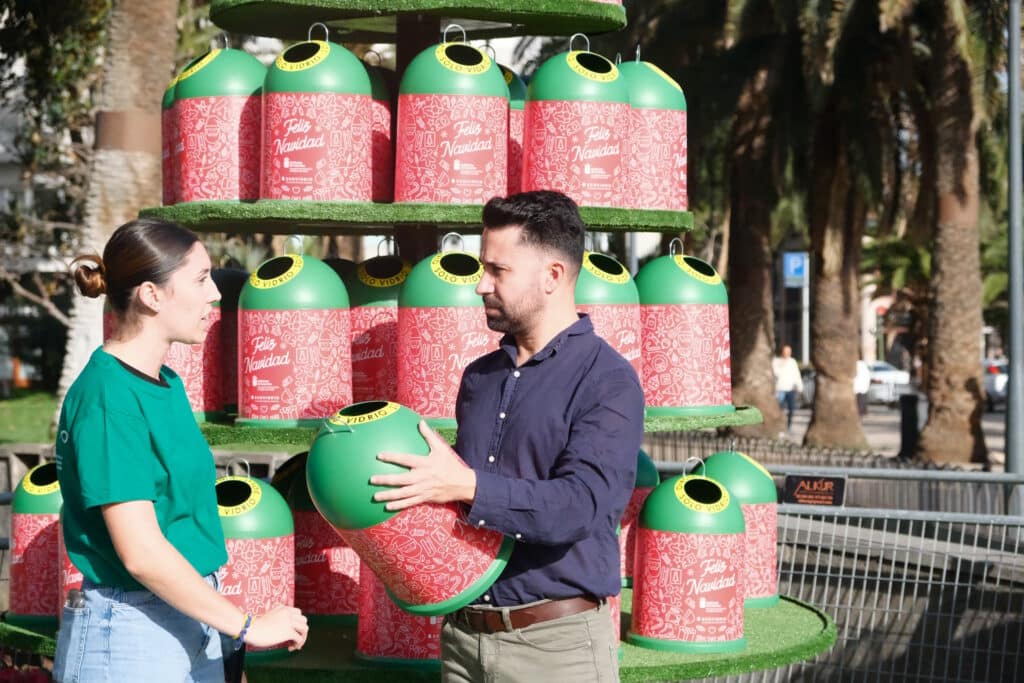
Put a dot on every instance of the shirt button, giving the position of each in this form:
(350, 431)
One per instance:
(487, 598)
(516, 373)
(480, 523)
(518, 536)
(490, 458)
(501, 415)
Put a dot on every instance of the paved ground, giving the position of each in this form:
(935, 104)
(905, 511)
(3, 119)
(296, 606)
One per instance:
(882, 428)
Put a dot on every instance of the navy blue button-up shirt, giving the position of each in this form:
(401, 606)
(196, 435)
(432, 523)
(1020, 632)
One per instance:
(554, 444)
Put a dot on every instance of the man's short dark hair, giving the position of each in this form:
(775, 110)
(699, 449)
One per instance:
(548, 219)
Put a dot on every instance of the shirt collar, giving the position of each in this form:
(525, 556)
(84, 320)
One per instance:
(581, 326)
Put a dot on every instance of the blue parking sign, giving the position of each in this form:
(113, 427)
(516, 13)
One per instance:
(794, 268)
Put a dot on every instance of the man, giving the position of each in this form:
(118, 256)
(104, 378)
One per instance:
(549, 425)
(788, 382)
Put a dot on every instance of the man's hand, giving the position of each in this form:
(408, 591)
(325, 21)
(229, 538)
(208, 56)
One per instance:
(438, 477)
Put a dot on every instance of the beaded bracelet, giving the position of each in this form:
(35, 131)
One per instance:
(240, 638)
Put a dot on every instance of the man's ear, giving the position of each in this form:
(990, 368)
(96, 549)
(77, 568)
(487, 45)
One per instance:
(557, 276)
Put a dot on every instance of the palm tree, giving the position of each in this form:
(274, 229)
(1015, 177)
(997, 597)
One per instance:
(125, 170)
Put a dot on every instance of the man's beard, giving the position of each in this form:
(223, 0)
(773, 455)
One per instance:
(502, 322)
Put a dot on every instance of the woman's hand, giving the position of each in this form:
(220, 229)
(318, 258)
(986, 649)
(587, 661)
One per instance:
(280, 625)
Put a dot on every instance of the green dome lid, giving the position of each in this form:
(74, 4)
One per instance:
(603, 280)
(168, 99)
(679, 279)
(378, 281)
(651, 88)
(220, 73)
(453, 69)
(317, 66)
(745, 478)
(342, 266)
(380, 82)
(577, 76)
(516, 88)
(250, 508)
(447, 279)
(646, 473)
(39, 492)
(692, 505)
(291, 282)
(230, 282)
(344, 457)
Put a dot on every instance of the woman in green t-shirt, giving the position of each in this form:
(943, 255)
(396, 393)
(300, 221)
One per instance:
(140, 511)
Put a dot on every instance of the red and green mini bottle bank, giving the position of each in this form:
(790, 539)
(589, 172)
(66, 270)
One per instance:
(389, 636)
(260, 538)
(452, 131)
(577, 130)
(201, 368)
(687, 583)
(294, 343)
(442, 328)
(35, 510)
(217, 124)
(429, 559)
(516, 125)
(167, 143)
(317, 125)
(684, 314)
(752, 485)
(606, 293)
(326, 568)
(647, 478)
(657, 133)
(373, 293)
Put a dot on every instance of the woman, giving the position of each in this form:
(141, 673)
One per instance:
(140, 512)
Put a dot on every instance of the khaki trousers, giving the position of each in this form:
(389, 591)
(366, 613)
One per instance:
(581, 648)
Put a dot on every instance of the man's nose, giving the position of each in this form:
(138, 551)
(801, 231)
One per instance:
(485, 286)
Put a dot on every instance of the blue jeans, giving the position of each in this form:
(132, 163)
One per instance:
(121, 635)
(787, 400)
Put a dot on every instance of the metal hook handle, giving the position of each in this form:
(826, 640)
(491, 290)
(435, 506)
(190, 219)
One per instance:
(380, 60)
(618, 58)
(444, 238)
(293, 245)
(224, 40)
(573, 37)
(240, 461)
(327, 31)
(588, 241)
(698, 460)
(672, 246)
(490, 49)
(638, 52)
(393, 250)
(444, 34)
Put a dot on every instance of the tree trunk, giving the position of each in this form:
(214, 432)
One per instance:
(836, 211)
(125, 172)
(752, 198)
(955, 395)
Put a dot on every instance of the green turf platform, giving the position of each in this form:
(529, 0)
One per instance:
(789, 632)
(227, 437)
(375, 20)
(368, 218)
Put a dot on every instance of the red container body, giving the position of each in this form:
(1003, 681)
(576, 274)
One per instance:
(219, 139)
(387, 632)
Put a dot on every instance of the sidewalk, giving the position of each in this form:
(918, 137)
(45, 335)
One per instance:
(882, 429)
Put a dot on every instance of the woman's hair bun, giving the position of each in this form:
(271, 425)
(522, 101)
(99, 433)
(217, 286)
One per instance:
(90, 275)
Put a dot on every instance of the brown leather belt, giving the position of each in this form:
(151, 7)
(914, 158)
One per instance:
(490, 621)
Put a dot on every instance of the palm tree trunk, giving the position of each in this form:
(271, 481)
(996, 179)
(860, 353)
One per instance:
(752, 198)
(955, 395)
(125, 171)
(836, 214)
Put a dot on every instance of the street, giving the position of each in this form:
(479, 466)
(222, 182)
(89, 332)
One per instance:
(882, 429)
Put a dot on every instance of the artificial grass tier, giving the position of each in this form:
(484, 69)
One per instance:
(375, 20)
(227, 437)
(789, 632)
(310, 217)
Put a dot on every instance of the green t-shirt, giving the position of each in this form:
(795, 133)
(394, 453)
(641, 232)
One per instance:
(123, 438)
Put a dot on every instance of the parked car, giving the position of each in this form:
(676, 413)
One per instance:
(994, 381)
(888, 383)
